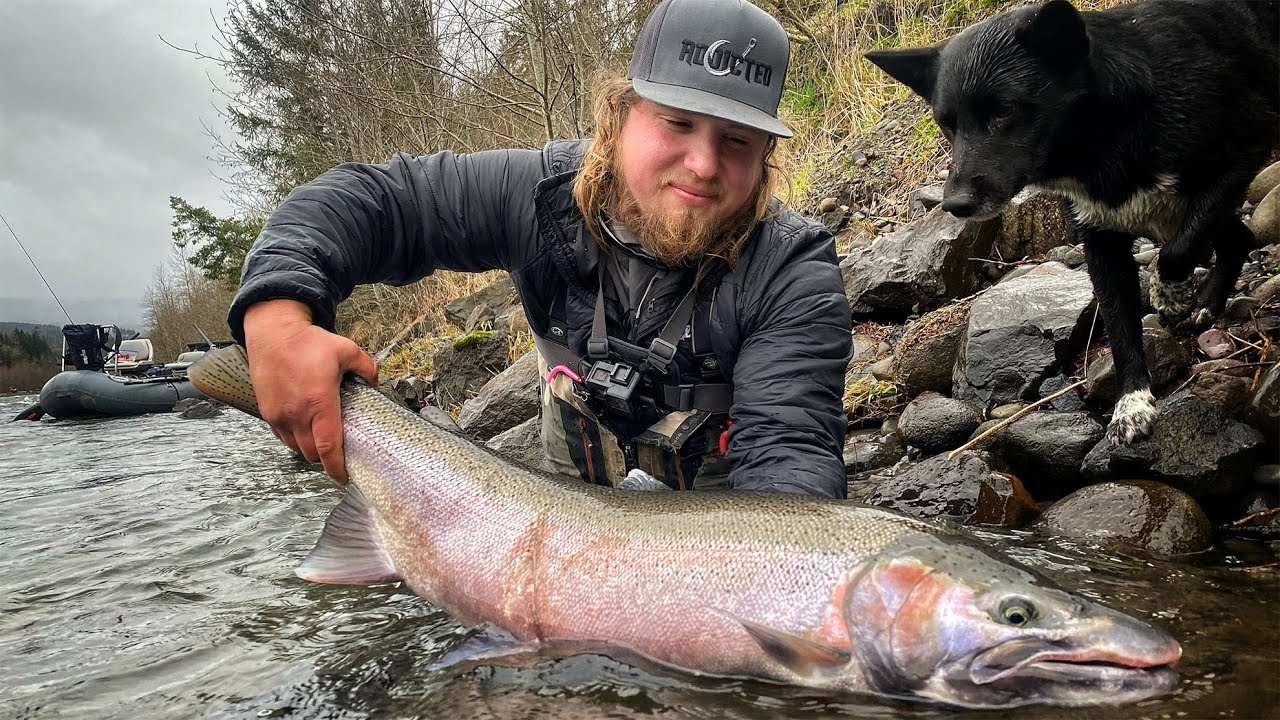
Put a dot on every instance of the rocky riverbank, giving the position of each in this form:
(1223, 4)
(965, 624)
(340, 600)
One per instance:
(981, 381)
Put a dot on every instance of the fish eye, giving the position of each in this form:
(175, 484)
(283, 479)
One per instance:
(1017, 611)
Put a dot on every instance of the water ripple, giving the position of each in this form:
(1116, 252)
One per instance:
(148, 572)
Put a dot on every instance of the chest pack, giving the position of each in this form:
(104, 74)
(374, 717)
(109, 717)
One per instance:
(626, 382)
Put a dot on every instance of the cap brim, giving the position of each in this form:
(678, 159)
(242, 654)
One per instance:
(705, 103)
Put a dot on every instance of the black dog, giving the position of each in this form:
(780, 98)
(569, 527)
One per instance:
(1150, 118)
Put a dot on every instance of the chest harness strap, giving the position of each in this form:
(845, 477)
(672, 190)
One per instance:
(599, 373)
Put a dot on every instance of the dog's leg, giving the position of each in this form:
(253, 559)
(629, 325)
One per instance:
(1232, 240)
(1172, 290)
(1115, 281)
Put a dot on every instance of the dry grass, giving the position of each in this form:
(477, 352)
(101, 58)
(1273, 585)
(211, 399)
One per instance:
(25, 377)
(374, 314)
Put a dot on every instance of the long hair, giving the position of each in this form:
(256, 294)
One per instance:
(595, 188)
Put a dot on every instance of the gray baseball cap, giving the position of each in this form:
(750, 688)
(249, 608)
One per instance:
(723, 58)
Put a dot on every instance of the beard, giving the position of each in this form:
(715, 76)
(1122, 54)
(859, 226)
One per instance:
(682, 236)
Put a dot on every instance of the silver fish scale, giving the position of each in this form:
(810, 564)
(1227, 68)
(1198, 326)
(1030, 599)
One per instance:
(406, 451)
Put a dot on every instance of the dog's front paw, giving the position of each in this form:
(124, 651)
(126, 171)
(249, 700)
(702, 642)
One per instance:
(1172, 300)
(1134, 416)
(1200, 319)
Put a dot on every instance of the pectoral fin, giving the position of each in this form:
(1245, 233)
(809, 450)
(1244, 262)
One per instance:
(350, 550)
(801, 655)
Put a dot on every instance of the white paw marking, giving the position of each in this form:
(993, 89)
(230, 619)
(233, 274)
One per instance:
(1133, 418)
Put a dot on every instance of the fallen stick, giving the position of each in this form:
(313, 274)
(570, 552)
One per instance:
(951, 455)
(1255, 516)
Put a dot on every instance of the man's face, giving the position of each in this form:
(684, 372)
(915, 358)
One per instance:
(684, 176)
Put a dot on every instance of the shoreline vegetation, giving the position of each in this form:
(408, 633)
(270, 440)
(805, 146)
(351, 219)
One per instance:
(362, 79)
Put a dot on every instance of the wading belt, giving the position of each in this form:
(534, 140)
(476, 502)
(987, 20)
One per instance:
(711, 397)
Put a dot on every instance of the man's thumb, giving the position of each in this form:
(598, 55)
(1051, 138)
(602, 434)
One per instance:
(358, 361)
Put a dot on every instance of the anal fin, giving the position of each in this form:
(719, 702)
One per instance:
(350, 549)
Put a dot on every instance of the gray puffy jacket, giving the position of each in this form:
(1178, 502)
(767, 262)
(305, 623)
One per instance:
(780, 323)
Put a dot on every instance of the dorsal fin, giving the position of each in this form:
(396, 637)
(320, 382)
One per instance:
(801, 655)
(350, 549)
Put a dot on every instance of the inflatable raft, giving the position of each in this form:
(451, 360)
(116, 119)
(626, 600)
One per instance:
(91, 393)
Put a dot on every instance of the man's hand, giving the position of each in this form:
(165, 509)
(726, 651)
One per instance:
(296, 368)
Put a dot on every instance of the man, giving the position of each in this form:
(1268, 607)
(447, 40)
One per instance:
(684, 320)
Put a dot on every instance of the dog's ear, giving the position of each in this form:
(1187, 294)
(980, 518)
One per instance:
(1056, 35)
(917, 68)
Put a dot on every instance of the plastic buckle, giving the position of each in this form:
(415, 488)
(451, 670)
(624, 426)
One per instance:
(598, 348)
(683, 397)
(661, 353)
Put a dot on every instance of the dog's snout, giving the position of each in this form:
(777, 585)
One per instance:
(962, 205)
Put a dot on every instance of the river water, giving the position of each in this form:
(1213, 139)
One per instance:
(147, 571)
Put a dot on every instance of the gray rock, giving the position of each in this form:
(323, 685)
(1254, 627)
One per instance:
(1267, 476)
(1268, 291)
(1020, 333)
(1147, 515)
(1263, 411)
(1047, 449)
(1145, 257)
(934, 423)
(1071, 401)
(920, 266)
(925, 357)
(871, 450)
(1263, 183)
(1215, 343)
(864, 346)
(465, 365)
(973, 489)
(412, 390)
(200, 410)
(930, 196)
(1058, 254)
(1166, 361)
(1007, 410)
(1194, 446)
(835, 220)
(507, 400)
(523, 444)
(1017, 272)
(492, 298)
(1241, 307)
(1228, 393)
(185, 403)
(882, 369)
(1265, 222)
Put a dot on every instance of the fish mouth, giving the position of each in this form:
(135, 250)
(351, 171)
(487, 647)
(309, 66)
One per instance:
(1082, 676)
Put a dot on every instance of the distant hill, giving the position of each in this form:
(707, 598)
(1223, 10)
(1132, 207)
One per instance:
(52, 334)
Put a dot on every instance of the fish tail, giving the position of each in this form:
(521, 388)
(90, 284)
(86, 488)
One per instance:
(223, 374)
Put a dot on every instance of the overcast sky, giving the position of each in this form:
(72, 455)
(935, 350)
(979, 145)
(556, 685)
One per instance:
(100, 122)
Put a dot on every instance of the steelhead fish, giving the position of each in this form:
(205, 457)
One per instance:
(819, 593)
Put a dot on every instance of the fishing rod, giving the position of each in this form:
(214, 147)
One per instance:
(37, 267)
